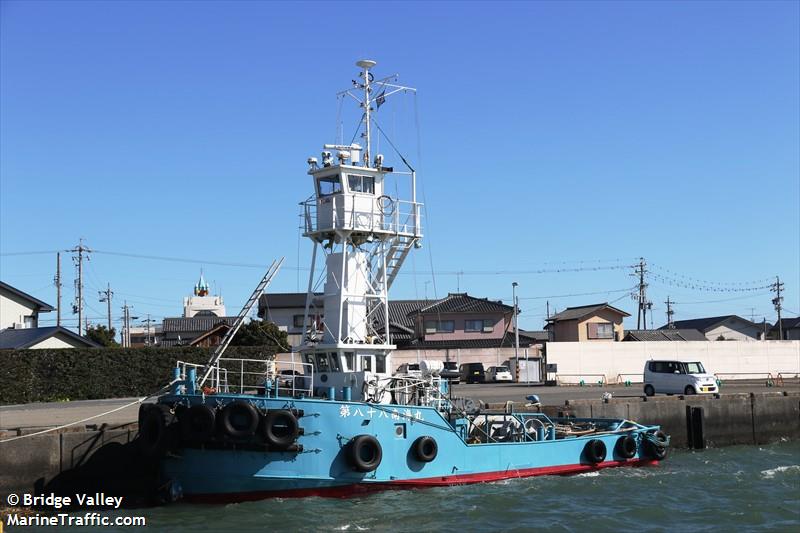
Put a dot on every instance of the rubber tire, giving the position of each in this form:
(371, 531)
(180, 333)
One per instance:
(656, 452)
(154, 438)
(649, 390)
(595, 451)
(231, 423)
(425, 449)
(355, 455)
(689, 391)
(626, 447)
(197, 424)
(279, 428)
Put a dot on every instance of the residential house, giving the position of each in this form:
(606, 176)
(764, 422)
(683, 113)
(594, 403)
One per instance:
(722, 328)
(19, 324)
(286, 310)
(587, 323)
(790, 327)
(18, 309)
(649, 335)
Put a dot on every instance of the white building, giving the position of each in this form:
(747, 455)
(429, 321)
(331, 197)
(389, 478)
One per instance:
(202, 304)
(19, 324)
(19, 310)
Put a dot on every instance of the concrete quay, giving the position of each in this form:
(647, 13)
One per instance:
(105, 457)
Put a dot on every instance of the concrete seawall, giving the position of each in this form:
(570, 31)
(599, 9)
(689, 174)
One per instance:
(57, 460)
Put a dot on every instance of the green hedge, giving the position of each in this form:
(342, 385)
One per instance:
(83, 374)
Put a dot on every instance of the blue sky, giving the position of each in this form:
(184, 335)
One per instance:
(553, 136)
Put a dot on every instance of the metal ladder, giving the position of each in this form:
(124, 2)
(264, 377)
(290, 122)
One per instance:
(398, 251)
(226, 340)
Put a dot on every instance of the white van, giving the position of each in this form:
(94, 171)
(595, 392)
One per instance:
(677, 377)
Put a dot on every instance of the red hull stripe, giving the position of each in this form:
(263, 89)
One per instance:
(344, 491)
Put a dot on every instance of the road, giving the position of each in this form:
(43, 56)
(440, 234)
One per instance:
(40, 415)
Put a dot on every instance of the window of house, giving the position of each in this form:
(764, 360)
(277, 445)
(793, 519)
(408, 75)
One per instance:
(484, 325)
(440, 326)
(29, 321)
(359, 183)
(298, 321)
(329, 185)
(600, 330)
(473, 325)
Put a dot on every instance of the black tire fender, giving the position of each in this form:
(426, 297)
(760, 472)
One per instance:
(197, 423)
(595, 451)
(656, 451)
(280, 428)
(425, 449)
(364, 453)
(626, 447)
(238, 420)
(154, 438)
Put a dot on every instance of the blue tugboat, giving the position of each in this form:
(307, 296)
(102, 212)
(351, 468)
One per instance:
(337, 422)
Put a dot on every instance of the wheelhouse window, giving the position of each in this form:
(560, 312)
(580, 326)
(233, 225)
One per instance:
(349, 361)
(600, 330)
(380, 363)
(363, 184)
(329, 185)
(335, 362)
(322, 362)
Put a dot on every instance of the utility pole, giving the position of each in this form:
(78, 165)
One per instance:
(516, 321)
(125, 336)
(147, 324)
(777, 287)
(753, 315)
(106, 296)
(57, 282)
(641, 318)
(670, 312)
(77, 307)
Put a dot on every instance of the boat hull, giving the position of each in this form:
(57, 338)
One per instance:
(322, 465)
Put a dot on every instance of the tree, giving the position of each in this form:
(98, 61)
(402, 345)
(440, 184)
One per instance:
(261, 333)
(101, 335)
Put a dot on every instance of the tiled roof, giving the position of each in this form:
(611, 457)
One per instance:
(705, 324)
(43, 307)
(574, 313)
(198, 324)
(664, 335)
(464, 303)
(538, 335)
(20, 339)
(284, 300)
(787, 323)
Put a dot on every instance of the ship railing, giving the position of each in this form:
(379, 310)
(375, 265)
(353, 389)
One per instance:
(253, 376)
(780, 379)
(384, 215)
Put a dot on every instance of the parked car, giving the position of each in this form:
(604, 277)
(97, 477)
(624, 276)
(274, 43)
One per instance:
(287, 378)
(677, 377)
(409, 369)
(498, 373)
(471, 373)
(450, 371)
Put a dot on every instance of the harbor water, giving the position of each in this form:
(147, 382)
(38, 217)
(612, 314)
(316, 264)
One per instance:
(739, 488)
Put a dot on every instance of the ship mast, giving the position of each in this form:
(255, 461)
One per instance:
(365, 235)
(366, 75)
